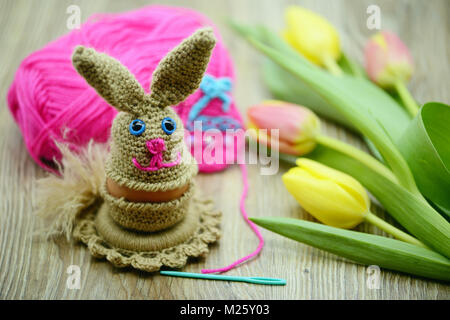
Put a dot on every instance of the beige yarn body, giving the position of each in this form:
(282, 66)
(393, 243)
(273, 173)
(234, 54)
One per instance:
(148, 235)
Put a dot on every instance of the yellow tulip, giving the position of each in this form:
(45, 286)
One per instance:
(332, 197)
(335, 198)
(313, 36)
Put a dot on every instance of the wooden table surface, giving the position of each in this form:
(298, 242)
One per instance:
(33, 268)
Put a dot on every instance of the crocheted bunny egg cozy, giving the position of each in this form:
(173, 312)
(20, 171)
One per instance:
(148, 157)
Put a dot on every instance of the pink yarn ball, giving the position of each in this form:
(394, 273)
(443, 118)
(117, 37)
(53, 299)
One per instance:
(51, 102)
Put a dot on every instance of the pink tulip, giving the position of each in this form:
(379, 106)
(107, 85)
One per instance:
(297, 125)
(389, 64)
(388, 60)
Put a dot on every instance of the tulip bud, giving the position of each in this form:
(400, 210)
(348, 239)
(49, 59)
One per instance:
(331, 196)
(312, 35)
(388, 60)
(298, 126)
(335, 198)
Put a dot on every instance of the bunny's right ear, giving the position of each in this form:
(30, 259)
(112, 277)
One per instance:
(180, 72)
(110, 79)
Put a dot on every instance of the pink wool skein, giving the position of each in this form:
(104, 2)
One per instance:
(51, 102)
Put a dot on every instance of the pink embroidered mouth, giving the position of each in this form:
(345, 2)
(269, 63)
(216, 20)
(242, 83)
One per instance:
(156, 147)
(159, 165)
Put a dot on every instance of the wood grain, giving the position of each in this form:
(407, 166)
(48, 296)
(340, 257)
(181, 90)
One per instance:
(32, 268)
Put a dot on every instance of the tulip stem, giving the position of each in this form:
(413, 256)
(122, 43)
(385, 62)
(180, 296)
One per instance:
(388, 228)
(408, 101)
(357, 154)
(331, 65)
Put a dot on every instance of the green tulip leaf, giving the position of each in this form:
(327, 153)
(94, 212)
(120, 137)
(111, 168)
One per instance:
(284, 86)
(425, 144)
(268, 37)
(361, 247)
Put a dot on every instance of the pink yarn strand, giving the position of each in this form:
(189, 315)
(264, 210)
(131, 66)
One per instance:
(250, 223)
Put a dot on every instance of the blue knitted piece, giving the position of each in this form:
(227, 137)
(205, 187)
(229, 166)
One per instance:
(212, 88)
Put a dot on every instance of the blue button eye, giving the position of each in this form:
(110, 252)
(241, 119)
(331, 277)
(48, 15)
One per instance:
(169, 125)
(137, 127)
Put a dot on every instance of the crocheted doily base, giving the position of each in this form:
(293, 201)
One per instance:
(175, 256)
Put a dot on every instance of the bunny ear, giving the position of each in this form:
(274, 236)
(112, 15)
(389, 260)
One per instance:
(110, 79)
(180, 72)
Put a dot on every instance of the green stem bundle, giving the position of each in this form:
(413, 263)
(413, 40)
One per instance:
(408, 101)
(332, 66)
(388, 228)
(357, 154)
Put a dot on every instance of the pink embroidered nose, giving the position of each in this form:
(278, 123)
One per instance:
(156, 146)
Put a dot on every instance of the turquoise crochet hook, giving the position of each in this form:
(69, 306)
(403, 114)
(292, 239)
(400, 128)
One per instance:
(257, 280)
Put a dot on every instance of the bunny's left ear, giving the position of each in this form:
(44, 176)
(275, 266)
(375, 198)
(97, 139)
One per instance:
(180, 72)
(110, 79)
